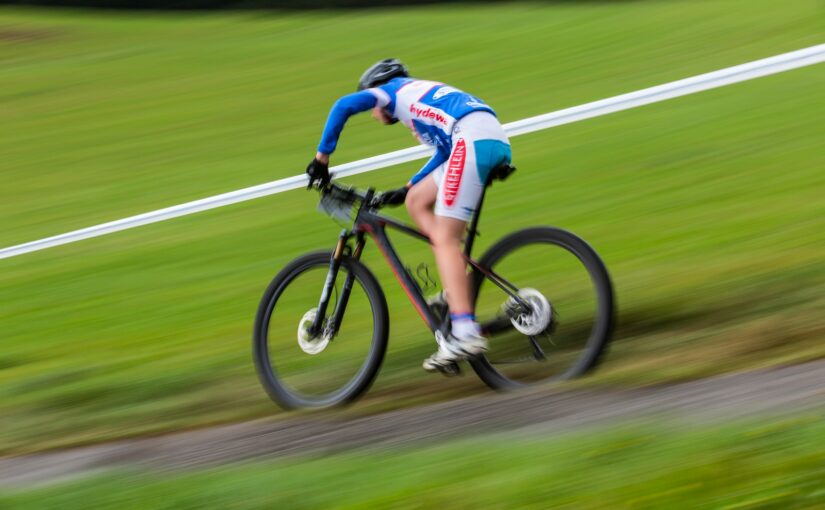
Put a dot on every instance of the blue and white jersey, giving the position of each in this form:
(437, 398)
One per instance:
(430, 109)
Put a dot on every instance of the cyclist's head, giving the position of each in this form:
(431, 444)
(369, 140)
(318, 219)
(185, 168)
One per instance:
(383, 116)
(382, 72)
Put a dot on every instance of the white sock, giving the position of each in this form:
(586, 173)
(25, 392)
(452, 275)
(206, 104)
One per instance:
(464, 328)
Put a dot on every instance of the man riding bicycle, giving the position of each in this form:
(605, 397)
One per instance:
(469, 142)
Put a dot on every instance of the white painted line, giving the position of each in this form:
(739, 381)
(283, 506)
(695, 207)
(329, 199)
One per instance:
(720, 78)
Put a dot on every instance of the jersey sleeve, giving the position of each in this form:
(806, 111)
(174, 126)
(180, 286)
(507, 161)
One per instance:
(438, 159)
(383, 97)
(386, 93)
(343, 109)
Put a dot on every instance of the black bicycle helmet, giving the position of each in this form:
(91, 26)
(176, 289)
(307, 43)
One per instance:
(381, 73)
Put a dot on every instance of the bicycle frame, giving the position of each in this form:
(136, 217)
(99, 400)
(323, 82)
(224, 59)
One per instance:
(368, 221)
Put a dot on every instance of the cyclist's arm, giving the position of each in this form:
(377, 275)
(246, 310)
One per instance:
(343, 109)
(438, 158)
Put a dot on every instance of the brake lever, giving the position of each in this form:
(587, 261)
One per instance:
(372, 201)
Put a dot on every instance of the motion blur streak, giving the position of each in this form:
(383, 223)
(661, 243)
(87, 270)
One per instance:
(758, 68)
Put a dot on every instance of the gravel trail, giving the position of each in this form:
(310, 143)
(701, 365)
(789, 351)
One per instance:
(797, 388)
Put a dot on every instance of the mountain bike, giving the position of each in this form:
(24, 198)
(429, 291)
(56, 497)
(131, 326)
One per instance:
(543, 297)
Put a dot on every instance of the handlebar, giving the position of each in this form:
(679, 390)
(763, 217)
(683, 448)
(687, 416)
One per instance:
(350, 194)
(338, 200)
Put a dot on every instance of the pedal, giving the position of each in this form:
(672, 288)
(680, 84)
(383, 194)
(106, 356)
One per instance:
(450, 370)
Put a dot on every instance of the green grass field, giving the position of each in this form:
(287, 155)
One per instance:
(766, 464)
(707, 209)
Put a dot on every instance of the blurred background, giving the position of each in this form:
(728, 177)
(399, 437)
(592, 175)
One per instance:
(707, 209)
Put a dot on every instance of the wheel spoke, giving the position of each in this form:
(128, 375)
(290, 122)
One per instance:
(516, 361)
(537, 351)
(496, 326)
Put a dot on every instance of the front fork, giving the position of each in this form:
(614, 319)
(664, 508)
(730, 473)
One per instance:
(342, 250)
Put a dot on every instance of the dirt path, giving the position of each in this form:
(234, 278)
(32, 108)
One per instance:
(787, 389)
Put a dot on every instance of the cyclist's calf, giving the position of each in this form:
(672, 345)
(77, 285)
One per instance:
(446, 238)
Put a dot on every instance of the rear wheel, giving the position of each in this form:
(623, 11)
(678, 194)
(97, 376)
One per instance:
(561, 321)
(300, 370)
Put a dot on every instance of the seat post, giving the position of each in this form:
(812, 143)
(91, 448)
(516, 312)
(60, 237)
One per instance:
(501, 172)
(472, 231)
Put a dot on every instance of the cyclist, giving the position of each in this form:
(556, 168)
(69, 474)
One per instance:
(469, 142)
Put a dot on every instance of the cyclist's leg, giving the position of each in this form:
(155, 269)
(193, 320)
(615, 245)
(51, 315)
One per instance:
(420, 201)
(453, 208)
(458, 193)
(479, 145)
(446, 238)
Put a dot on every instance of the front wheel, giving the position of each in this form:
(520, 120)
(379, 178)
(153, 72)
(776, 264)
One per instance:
(557, 320)
(335, 366)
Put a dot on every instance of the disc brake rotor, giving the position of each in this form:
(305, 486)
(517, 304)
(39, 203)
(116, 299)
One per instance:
(537, 319)
(308, 343)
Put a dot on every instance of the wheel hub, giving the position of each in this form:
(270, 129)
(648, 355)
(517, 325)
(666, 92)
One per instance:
(537, 319)
(308, 343)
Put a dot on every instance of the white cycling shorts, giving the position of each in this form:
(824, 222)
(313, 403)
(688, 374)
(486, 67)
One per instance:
(479, 145)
